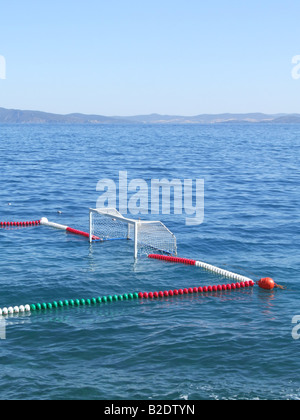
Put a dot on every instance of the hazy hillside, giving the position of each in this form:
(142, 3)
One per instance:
(14, 116)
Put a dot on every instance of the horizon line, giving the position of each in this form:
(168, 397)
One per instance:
(152, 113)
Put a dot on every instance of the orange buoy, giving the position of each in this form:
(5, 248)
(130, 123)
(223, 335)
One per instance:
(267, 283)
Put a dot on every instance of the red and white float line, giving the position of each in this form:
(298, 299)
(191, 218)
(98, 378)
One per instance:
(241, 281)
(203, 265)
(45, 222)
(19, 224)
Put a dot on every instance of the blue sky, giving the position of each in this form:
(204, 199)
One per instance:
(128, 57)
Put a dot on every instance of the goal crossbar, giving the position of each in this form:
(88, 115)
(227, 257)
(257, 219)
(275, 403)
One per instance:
(109, 224)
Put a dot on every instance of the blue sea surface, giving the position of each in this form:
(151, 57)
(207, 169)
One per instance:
(224, 345)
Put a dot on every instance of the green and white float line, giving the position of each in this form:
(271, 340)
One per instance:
(36, 307)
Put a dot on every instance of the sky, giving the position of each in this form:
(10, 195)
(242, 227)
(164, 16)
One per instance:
(130, 57)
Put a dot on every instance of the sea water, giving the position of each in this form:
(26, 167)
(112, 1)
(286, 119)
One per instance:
(225, 345)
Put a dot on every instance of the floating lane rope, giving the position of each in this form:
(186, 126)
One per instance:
(201, 264)
(45, 222)
(39, 307)
(19, 224)
(267, 283)
(241, 282)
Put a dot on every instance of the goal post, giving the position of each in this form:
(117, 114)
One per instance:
(109, 225)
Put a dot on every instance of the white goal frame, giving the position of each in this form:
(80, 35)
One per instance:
(145, 234)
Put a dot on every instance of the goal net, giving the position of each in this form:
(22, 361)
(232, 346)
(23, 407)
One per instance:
(148, 236)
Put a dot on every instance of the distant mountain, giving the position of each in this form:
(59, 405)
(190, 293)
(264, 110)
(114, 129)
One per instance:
(205, 118)
(14, 116)
(288, 119)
